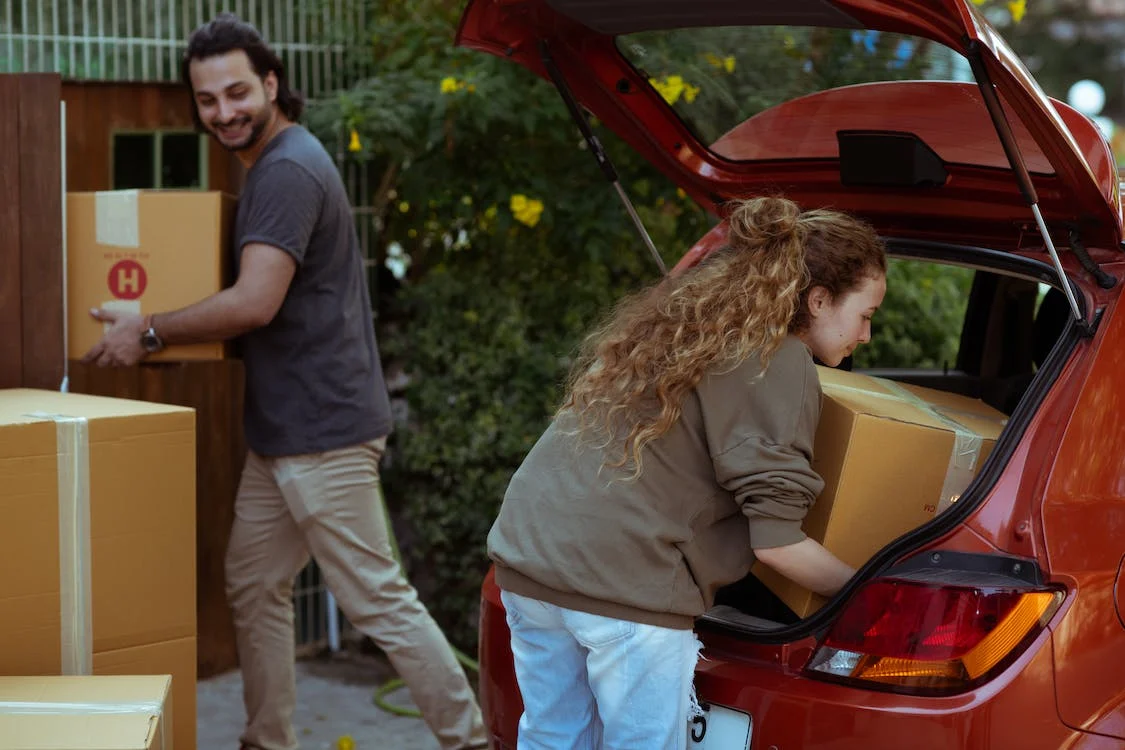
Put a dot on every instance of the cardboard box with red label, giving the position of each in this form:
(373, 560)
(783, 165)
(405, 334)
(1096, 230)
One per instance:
(144, 251)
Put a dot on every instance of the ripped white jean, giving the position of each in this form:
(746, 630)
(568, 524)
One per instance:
(595, 683)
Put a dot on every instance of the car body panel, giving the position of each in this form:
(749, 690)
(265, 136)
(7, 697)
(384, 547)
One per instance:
(1083, 516)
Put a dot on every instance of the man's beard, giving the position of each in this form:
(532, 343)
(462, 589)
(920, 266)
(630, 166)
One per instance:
(257, 128)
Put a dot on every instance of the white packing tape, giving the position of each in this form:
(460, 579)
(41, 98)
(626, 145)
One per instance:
(56, 707)
(966, 443)
(76, 638)
(963, 458)
(116, 218)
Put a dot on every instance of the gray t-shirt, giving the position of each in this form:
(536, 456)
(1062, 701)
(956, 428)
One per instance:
(313, 377)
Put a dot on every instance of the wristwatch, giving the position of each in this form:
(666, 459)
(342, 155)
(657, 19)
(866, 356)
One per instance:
(150, 340)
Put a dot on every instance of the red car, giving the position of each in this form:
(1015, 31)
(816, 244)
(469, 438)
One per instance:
(999, 624)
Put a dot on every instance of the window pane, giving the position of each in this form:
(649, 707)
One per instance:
(180, 161)
(133, 159)
(919, 324)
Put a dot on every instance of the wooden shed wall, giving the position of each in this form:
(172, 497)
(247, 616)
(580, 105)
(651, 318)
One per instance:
(31, 272)
(94, 110)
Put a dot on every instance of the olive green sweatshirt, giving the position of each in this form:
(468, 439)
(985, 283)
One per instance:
(732, 474)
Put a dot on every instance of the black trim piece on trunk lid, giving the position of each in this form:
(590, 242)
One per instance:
(970, 569)
(883, 561)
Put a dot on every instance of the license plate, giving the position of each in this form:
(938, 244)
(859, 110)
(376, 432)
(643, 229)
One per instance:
(720, 729)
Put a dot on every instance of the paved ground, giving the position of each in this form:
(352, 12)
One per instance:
(334, 699)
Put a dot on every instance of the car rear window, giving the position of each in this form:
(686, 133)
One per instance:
(720, 81)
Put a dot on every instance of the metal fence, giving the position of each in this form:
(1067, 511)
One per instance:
(142, 41)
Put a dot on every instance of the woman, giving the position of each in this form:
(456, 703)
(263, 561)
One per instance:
(681, 454)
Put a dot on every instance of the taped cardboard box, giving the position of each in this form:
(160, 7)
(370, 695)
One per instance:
(86, 713)
(99, 533)
(145, 251)
(892, 456)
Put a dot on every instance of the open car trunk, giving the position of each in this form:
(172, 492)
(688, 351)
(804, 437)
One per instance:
(941, 139)
(895, 442)
(973, 166)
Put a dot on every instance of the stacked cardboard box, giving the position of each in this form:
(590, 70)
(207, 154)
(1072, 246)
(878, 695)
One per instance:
(144, 251)
(892, 456)
(98, 540)
(86, 713)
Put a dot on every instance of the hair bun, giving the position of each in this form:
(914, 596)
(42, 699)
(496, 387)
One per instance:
(764, 219)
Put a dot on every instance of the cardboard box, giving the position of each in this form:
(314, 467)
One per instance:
(98, 538)
(145, 251)
(892, 456)
(86, 713)
(176, 658)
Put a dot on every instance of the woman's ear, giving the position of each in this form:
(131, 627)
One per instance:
(819, 300)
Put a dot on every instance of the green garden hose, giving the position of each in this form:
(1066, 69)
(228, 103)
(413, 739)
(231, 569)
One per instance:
(395, 683)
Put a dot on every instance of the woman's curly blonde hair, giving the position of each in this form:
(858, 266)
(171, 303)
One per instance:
(632, 373)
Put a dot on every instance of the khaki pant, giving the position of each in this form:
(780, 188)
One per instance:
(330, 505)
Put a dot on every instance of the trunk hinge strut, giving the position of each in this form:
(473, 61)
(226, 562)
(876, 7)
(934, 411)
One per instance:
(1019, 167)
(1105, 280)
(596, 149)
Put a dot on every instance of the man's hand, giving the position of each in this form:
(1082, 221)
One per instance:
(121, 344)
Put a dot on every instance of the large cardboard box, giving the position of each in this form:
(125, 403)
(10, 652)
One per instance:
(98, 539)
(892, 456)
(86, 713)
(144, 251)
(176, 658)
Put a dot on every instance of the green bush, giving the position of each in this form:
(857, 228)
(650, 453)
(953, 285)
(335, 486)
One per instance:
(921, 316)
(514, 245)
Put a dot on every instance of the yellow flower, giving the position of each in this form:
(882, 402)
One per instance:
(680, 192)
(449, 85)
(467, 200)
(670, 88)
(412, 233)
(526, 210)
(354, 144)
(484, 221)
(404, 206)
(345, 742)
(1017, 8)
(720, 63)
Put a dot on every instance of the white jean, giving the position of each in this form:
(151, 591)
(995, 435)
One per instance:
(595, 683)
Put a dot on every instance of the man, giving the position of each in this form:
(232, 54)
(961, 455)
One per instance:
(317, 412)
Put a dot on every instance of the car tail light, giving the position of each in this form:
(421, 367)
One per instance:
(930, 638)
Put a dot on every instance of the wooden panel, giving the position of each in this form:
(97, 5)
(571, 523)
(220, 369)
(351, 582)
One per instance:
(41, 231)
(214, 390)
(96, 109)
(11, 318)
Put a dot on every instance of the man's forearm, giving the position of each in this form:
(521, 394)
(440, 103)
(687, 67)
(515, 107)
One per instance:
(219, 317)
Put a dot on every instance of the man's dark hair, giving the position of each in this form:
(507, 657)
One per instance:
(226, 33)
